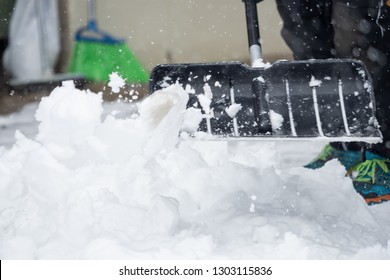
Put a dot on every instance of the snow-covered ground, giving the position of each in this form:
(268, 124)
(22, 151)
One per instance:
(83, 179)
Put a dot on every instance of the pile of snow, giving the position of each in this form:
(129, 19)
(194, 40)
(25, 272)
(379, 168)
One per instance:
(90, 186)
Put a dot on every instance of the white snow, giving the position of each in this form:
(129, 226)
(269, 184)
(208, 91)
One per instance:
(192, 119)
(89, 184)
(261, 79)
(314, 82)
(116, 82)
(259, 63)
(276, 120)
(189, 89)
(233, 109)
(205, 99)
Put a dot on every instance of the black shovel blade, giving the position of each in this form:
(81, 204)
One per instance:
(313, 98)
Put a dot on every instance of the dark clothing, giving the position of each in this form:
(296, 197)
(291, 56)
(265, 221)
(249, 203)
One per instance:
(345, 29)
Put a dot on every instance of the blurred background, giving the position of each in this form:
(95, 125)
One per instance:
(161, 31)
(155, 31)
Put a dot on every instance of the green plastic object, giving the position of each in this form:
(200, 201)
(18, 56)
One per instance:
(97, 54)
(97, 59)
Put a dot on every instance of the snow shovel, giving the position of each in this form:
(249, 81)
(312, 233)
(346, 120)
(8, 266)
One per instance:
(330, 99)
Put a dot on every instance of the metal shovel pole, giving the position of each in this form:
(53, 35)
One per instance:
(252, 24)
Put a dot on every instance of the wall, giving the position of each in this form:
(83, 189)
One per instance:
(161, 31)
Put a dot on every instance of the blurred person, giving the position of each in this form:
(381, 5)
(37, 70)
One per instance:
(358, 29)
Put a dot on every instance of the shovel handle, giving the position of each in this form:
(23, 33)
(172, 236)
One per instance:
(252, 24)
(91, 10)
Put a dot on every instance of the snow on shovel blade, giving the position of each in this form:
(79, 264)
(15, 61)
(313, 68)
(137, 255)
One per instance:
(313, 98)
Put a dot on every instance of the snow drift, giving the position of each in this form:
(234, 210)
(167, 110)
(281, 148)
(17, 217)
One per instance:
(122, 186)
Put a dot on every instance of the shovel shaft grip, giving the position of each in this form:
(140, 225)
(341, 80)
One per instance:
(252, 24)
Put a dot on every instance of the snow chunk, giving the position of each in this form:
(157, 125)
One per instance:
(276, 120)
(68, 115)
(314, 82)
(205, 100)
(233, 109)
(189, 89)
(260, 79)
(205, 103)
(163, 113)
(259, 63)
(207, 91)
(192, 119)
(116, 82)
